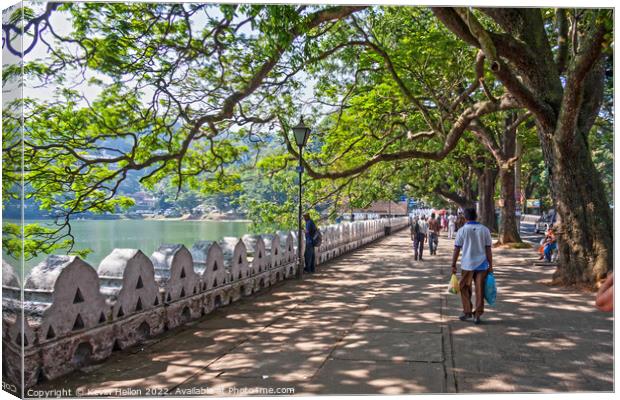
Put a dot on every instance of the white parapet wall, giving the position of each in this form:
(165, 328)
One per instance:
(74, 314)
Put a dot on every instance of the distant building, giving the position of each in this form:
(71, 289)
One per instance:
(144, 200)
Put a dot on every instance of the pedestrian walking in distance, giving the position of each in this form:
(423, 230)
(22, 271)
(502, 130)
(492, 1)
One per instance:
(451, 226)
(474, 240)
(415, 229)
(434, 228)
(309, 258)
(418, 243)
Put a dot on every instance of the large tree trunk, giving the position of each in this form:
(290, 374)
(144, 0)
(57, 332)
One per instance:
(586, 231)
(508, 229)
(586, 223)
(486, 193)
(564, 96)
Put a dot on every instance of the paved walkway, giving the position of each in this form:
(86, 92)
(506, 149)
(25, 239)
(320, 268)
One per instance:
(376, 322)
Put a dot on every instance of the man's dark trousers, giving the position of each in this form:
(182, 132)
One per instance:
(418, 246)
(309, 259)
(432, 242)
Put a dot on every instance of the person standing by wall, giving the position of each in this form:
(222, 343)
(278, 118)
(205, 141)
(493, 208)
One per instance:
(309, 256)
(475, 241)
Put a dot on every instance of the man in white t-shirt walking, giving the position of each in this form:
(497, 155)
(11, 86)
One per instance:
(474, 239)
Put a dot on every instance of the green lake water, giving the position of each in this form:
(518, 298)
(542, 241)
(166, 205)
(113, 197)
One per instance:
(102, 236)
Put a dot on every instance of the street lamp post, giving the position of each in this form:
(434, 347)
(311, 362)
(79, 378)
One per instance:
(301, 133)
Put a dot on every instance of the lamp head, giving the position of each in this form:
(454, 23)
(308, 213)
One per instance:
(301, 133)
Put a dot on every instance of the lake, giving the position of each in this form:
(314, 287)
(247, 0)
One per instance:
(102, 236)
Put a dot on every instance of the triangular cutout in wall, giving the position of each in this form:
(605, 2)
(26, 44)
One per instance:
(78, 298)
(139, 305)
(78, 324)
(50, 333)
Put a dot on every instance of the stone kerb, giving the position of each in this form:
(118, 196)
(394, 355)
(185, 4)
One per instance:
(11, 288)
(255, 246)
(288, 243)
(365, 232)
(331, 240)
(355, 234)
(209, 263)
(259, 262)
(76, 302)
(295, 253)
(323, 249)
(400, 222)
(349, 236)
(289, 255)
(296, 242)
(12, 307)
(174, 273)
(278, 257)
(341, 239)
(274, 250)
(73, 330)
(17, 331)
(13, 330)
(12, 356)
(236, 262)
(127, 279)
(208, 260)
(9, 277)
(235, 255)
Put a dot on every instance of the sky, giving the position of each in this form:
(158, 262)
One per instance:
(62, 26)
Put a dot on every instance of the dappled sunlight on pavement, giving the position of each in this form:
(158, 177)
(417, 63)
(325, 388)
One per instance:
(378, 322)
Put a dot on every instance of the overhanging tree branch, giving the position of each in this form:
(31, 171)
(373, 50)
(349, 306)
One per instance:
(461, 124)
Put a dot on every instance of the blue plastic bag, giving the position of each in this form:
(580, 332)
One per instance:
(490, 290)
